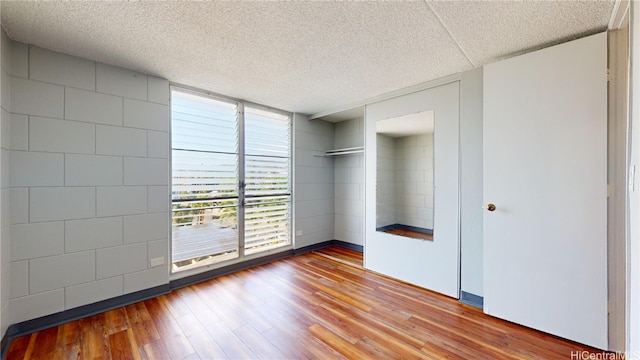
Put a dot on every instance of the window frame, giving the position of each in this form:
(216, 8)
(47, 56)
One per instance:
(212, 264)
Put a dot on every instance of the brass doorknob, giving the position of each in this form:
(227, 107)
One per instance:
(491, 207)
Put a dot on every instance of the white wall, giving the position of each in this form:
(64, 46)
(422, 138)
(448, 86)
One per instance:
(89, 182)
(349, 183)
(414, 180)
(385, 181)
(633, 269)
(431, 264)
(404, 181)
(314, 181)
(5, 245)
(471, 182)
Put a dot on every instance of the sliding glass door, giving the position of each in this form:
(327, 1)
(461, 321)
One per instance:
(231, 187)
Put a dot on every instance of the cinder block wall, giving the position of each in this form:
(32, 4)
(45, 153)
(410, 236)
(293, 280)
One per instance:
(414, 180)
(385, 181)
(89, 182)
(349, 183)
(314, 184)
(5, 116)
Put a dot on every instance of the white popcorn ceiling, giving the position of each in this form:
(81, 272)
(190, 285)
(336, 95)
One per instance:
(305, 57)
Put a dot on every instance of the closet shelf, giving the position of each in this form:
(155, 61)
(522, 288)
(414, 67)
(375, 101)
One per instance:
(344, 151)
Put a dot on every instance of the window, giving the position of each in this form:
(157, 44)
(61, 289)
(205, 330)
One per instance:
(267, 173)
(231, 179)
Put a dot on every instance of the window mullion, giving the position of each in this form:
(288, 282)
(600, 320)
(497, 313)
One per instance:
(241, 179)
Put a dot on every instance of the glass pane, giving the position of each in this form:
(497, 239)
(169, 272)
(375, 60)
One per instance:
(267, 223)
(267, 133)
(203, 124)
(267, 179)
(204, 137)
(198, 175)
(204, 232)
(266, 175)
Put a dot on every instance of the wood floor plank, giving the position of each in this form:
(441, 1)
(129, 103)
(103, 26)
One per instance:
(66, 352)
(141, 325)
(120, 346)
(137, 313)
(380, 350)
(178, 346)
(255, 319)
(337, 342)
(205, 346)
(69, 333)
(190, 324)
(258, 345)
(46, 342)
(410, 233)
(165, 324)
(95, 344)
(313, 306)
(116, 320)
(229, 342)
(337, 272)
(173, 302)
(191, 297)
(223, 308)
(342, 255)
(145, 332)
(93, 322)
(154, 351)
(31, 347)
(18, 347)
(333, 320)
(240, 292)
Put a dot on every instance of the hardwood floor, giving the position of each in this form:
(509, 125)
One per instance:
(410, 233)
(305, 307)
(343, 255)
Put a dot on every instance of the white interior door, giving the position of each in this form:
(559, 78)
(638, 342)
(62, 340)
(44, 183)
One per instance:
(433, 264)
(545, 169)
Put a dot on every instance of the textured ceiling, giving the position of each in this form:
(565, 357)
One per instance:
(305, 57)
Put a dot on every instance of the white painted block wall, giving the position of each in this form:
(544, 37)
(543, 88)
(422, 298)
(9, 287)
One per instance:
(89, 182)
(5, 116)
(349, 183)
(414, 180)
(116, 138)
(404, 179)
(385, 181)
(314, 181)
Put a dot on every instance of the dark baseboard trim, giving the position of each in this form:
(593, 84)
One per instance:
(348, 245)
(208, 275)
(405, 227)
(310, 248)
(471, 299)
(45, 322)
(324, 244)
(212, 274)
